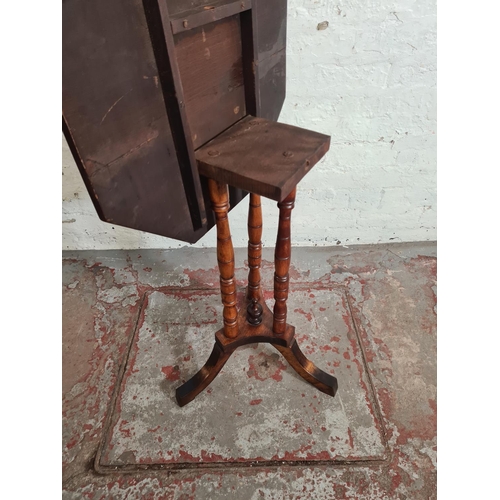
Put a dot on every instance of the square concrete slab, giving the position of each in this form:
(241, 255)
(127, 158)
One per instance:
(257, 410)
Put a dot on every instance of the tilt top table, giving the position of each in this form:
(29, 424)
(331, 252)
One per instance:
(267, 159)
(170, 107)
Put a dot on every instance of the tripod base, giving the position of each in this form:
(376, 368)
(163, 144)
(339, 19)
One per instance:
(286, 344)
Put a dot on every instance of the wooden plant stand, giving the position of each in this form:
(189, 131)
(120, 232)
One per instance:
(265, 158)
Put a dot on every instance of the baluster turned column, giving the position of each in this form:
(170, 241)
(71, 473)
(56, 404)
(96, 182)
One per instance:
(225, 256)
(282, 254)
(254, 309)
(254, 246)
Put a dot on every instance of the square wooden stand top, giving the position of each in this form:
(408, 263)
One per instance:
(262, 157)
(267, 159)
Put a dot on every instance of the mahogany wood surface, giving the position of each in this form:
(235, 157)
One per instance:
(262, 157)
(254, 246)
(145, 84)
(323, 381)
(254, 312)
(248, 334)
(264, 43)
(225, 256)
(211, 69)
(189, 390)
(206, 14)
(282, 254)
(163, 44)
(130, 126)
(269, 37)
(178, 7)
(272, 327)
(116, 122)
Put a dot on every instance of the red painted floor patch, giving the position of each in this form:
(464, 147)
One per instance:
(257, 409)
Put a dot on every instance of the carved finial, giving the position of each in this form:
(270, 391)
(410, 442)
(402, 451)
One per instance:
(254, 312)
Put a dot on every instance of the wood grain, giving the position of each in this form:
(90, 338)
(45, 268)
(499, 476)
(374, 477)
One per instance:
(211, 68)
(163, 44)
(196, 384)
(249, 334)
(201, 15)
(261, 156)
(323, 381)
(225, 256)
(282, 254)
(269, 20)
(177, 7)
(271, 86)
(254, 246)
(131, 129)
(115, 120)
(272, 327)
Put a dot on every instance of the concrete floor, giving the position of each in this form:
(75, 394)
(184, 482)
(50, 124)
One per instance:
(137, 324)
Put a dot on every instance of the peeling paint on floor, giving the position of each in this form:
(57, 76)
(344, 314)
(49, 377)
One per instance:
(366, 315)
(257, 409)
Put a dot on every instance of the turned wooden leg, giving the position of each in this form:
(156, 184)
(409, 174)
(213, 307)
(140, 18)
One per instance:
(254, 246)
(257, 323)
(190, 389)
(225, 256)
(308, 370)
(254, 309)
(282, 254)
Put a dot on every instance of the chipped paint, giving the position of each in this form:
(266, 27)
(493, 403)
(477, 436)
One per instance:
(377, 307)
(251, 378)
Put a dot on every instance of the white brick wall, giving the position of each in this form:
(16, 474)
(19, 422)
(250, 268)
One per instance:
(369, 81)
